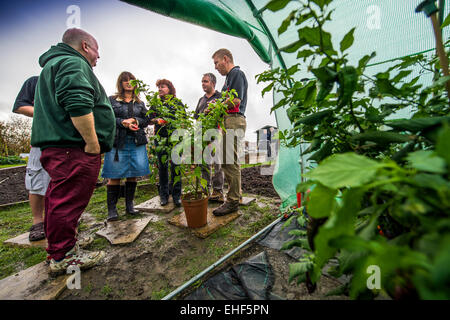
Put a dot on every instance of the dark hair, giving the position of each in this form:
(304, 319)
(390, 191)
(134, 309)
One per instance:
(211, 76)
(169, 84)
(125, 76)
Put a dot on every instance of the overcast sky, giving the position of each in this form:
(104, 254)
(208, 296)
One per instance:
(149, 45)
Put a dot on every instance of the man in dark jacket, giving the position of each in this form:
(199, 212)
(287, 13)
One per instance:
(234, 121)
(36, 179)
(73, 124)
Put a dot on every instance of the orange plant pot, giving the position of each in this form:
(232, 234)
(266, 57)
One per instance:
(196, 212)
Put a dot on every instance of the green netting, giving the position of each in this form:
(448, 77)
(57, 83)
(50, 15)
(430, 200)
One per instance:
(389, 27)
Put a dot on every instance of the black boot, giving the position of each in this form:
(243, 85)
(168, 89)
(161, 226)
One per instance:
(130, 189)
(112, 195)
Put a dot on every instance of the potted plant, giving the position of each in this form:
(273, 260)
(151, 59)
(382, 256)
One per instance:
(186, 146)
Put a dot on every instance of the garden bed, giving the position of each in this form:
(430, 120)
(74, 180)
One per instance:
(164, 256)
(12, 185)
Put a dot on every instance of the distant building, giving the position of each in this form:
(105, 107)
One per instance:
(264, 139)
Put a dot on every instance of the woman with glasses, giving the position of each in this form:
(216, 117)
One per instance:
(128, 159)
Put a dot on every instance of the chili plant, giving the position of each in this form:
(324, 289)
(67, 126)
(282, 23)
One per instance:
(186, 138)
(380, 193)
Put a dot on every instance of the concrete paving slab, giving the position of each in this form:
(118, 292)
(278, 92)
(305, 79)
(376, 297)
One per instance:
(22, 241)
(33, 283)
(125, 231)
(245, 201)
(153, 206)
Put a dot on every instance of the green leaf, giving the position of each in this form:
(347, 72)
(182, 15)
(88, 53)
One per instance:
(384, 86)
(286, 22)
(325, 74)
(347, 79)
(311, 36)
(324, 152)
(443, 144)
(425, 160)
(314, 118)
(446, 22)
(440, 82)
(416, 124)
(304, 186)
(315, 144)
(382, 137)
(342, 223)
(347, 41)
(290, 48)
(304, 53)
(293, 113)
(321, 3)
(345, 170)
(298, 269)
(321, 202)
(364, 60)
(301, 243)
(402, 74)
(275, 5)
(267, 89)
(298, 233)
(432, 181)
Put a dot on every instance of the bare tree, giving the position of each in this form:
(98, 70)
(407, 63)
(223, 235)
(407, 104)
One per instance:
(15, 135)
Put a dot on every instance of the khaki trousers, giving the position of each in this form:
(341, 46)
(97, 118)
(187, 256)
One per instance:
(231, 163)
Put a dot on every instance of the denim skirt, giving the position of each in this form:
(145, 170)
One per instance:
(132, 162)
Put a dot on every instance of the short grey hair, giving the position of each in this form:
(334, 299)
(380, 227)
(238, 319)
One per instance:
(211, 76)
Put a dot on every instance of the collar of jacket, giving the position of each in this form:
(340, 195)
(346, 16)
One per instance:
(121, 100)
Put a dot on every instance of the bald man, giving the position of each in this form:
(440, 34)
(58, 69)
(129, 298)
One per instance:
(73, 124)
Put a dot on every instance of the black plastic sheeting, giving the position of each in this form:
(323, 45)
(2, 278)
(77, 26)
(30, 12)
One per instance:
(276, 236)
(254, 278)
(250, 280)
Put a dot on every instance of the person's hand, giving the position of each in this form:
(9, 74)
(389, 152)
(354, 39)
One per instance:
(130, 124)
(92, 148)
(133, 127)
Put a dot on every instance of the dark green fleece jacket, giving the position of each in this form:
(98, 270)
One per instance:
(67, 87)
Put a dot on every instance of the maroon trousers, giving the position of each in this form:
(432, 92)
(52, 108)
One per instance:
(73, 175)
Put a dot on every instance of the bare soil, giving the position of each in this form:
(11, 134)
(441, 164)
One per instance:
(164, 256)
(253, 182)
(12, 185)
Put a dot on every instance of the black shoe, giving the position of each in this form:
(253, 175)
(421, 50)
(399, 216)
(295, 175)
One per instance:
(227, 208)
(177, 202)
(164, 201)
(130, 190)
(112, 195)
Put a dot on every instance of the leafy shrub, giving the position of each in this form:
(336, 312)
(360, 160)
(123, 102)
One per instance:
(380, 193)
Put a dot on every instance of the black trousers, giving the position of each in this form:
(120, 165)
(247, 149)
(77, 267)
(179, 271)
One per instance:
(166, 188)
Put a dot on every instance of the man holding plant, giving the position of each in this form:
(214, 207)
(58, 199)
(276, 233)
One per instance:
(234, 121)
(211, 94)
